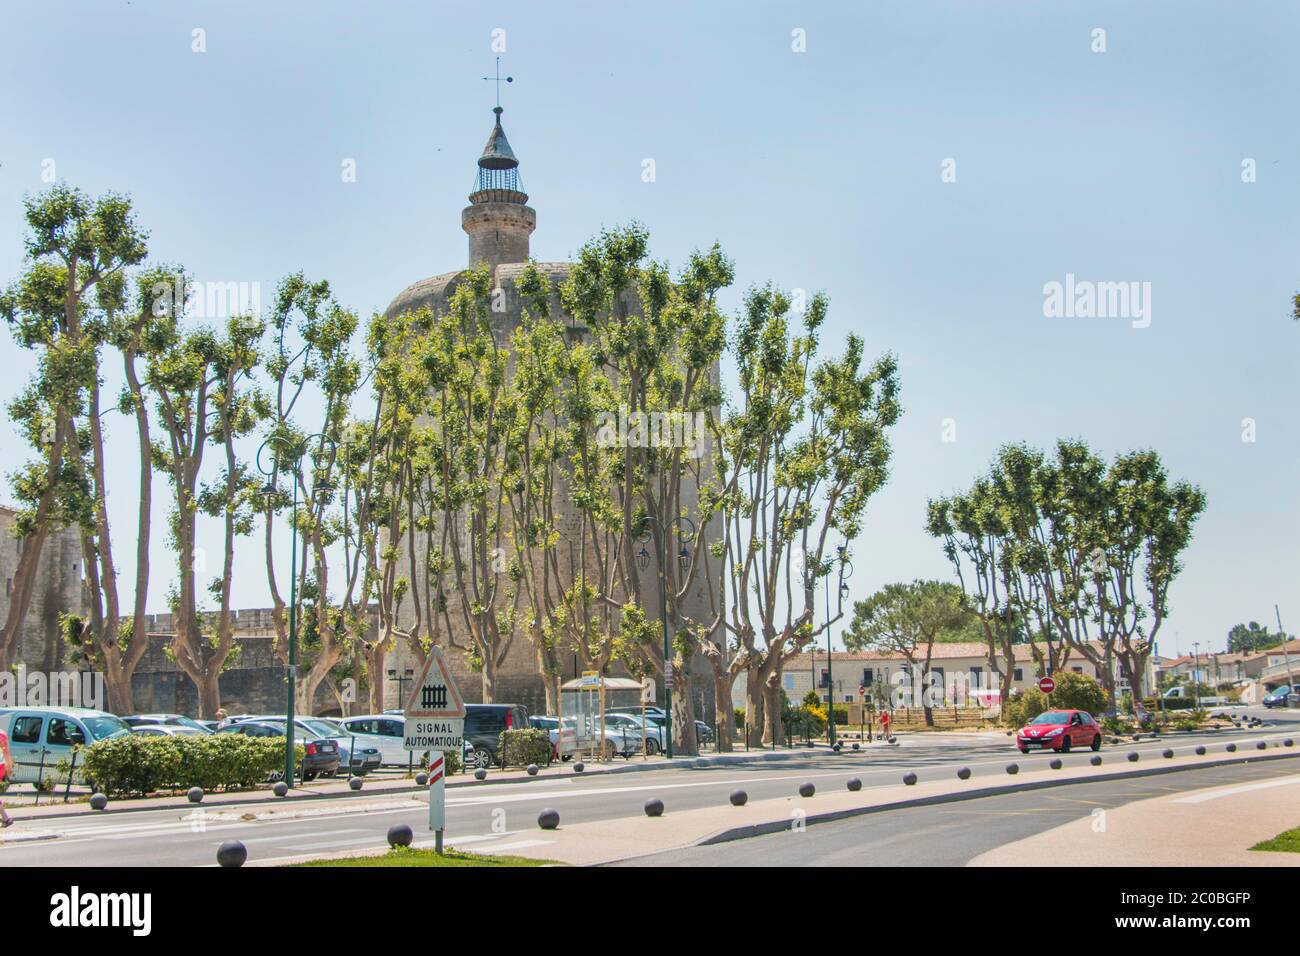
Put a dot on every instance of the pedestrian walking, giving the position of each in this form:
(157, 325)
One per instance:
(6, 773)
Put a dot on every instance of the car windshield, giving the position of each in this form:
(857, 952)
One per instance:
(190, 723)
(1052, 717)
(102, 728)
(326, 728)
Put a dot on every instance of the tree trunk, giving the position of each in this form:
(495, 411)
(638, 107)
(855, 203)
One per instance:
(726, 715)
(684, 742)
(755, 710)
(489, 678)
(774, 731)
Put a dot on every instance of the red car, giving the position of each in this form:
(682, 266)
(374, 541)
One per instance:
(1060, 730)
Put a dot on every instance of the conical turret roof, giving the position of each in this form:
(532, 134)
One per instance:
(497, 154)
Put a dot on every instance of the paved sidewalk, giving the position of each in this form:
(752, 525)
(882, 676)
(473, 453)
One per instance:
(1215, 826)
(605, 841)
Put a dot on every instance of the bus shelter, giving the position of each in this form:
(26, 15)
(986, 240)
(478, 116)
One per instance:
(583, 704)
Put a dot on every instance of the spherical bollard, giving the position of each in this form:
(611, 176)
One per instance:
(1288, 742)
(854, 784)
(838, 746)
(480, 774)
(1261, 746)
(1114, 741)
(1013, 768)
(195, 794)
(579, 767)
(281, 789)
(1010, 732)
(98, 801)
(1056, 763)
(232, 853)
(806, 789)
(399, 834)
(532, 769)
(1200, 751)
(354, 783)
(1095, 761)
(909, 779)
(421, 779)
(654, 807)
(963, 773)
(1168, 755)
(893, 739)
(1136, 738)
(739, 798)
(857, 746)
(1133, 756)
(1231, 748)
(548, 819)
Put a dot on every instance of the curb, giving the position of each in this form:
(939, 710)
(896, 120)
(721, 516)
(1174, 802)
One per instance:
(779, 826)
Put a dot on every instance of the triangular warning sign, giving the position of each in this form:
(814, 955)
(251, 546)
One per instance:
(435, 693)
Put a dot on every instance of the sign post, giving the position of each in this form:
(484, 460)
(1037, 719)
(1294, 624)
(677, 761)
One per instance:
(647, 697)
(435, 721)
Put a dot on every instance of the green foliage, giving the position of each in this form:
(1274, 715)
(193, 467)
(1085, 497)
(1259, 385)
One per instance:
(135, 764)
(519, 748)
(1246, 638)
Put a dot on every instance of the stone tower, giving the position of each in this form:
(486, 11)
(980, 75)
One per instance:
(499, 224)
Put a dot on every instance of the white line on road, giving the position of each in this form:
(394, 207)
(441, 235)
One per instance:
(1233, 791)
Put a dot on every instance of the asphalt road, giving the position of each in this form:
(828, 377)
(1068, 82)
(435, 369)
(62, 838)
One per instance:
(948, 834)
(502, 817)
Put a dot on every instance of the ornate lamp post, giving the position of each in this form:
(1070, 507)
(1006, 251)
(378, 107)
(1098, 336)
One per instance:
(846, 572)
(286, 451)
(683, 560)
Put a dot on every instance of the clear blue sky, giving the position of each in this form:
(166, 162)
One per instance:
(817, 170)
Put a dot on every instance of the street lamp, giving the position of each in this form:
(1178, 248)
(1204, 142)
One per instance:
(643, 561)
(286, 451)
(846, 572)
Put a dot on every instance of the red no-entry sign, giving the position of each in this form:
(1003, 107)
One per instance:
(1047, 685)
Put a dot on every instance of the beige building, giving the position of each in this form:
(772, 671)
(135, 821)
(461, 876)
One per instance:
(960, 668)
(59, 590)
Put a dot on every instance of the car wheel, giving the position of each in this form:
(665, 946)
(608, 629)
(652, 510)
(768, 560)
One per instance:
(651, 746)
(1065, 743)
(1096, 742)
(481, 758)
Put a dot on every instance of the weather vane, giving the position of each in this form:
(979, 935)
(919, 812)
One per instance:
(497, 79)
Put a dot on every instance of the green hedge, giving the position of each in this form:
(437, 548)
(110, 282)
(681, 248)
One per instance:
(519, 748)
(134, 764)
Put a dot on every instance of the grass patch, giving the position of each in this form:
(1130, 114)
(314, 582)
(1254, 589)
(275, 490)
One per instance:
(1286, 842)
(402, 856)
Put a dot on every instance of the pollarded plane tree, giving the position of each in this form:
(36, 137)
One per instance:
(799, 455)
(73, 244)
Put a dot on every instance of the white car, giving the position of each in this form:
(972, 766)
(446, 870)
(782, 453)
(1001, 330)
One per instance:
(39, 737)
(385, 731)
(627, 731)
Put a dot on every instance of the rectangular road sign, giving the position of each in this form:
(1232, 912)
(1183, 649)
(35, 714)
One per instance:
(433, 733)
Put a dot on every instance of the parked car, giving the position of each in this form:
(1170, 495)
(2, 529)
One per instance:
(385, 731)
(39, 737)
(366, 758)
(320, 754)
(627, 731)
(703, 732)
(168, 730)
(1060, 730)
(1278, 696)
(483, 726)
(171, 720)
(1184, 692)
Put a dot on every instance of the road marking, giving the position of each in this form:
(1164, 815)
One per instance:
(1233, 791)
